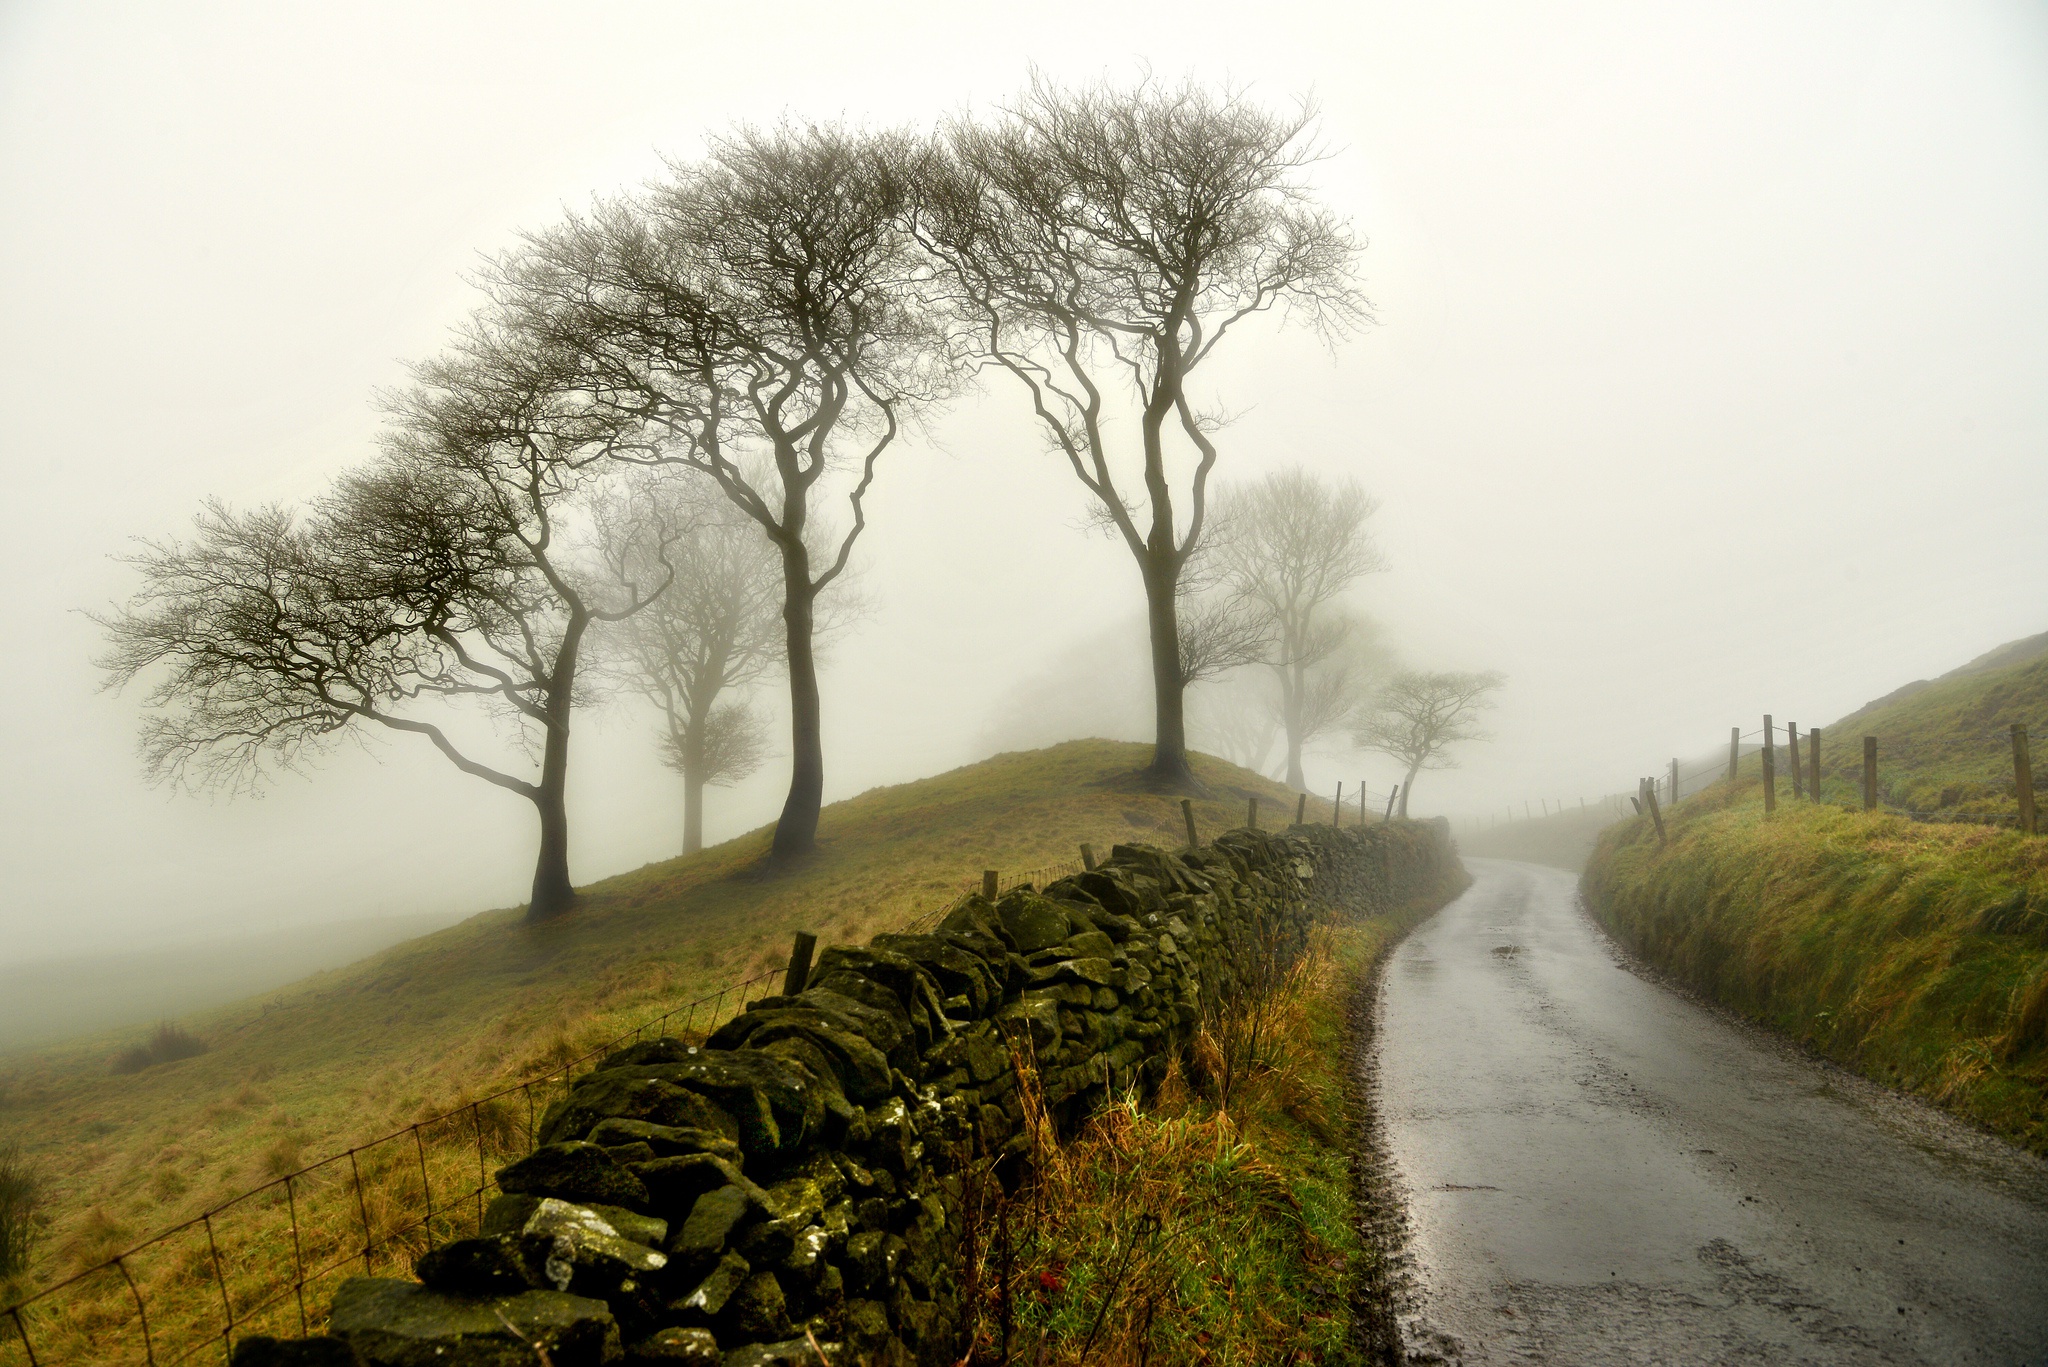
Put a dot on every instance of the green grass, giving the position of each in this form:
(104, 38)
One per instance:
(1916, 953)
(1190, 1230)
(419, 1029)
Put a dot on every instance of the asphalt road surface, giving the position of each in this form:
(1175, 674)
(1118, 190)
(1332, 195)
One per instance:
(1599, 1170)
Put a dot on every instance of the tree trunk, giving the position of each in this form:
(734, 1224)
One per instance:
(796, 832)
(1170, 734)
(552, 892)
(1291, 684)
(693, 780)
(1407, 783)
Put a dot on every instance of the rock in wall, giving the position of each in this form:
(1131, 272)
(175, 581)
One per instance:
(796, 1184)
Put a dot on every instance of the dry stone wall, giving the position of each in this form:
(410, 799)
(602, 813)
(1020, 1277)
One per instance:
(795, 1185)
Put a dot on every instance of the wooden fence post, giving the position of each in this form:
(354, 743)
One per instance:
(2023, 779)
(1792, 745)
(1650, 793)
(1088, 858)
(1251, 814)
(988, 884)
(1187, 812)
(799, 972)
(1870, 773)
(1337, 806)
(1390, 804)
(1674, 784)
(1301, 809)
(1734, 750)
(1361, 802)
(1770, 768)
(1813, 764)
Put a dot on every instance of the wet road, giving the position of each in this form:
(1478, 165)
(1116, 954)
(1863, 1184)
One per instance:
(1600, 1171)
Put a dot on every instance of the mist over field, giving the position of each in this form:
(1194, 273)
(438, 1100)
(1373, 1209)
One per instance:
(1704, 383)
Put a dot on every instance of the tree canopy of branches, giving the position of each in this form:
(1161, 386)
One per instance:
(1290, 544)
(715, 632)
(1100, 244)
(1421, 715)
(438, 575)
(763, 309)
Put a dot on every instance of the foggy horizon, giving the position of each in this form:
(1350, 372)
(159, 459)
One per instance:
(1704, 384)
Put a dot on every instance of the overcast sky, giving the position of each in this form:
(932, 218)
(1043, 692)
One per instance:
(1710, 378)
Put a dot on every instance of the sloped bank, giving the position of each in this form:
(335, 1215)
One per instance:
(797, 1184)
(1915, 953)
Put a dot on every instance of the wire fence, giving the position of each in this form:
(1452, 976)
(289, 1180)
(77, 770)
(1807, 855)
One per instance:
(1789, 762)
(259, 1262)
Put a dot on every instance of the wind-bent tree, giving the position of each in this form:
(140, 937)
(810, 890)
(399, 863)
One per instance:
(439, 576)
(1421, 715)
(1102, 243)
(1293, 545)
(698, 648)
(762, 309)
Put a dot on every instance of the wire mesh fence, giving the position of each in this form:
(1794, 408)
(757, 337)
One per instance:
(266, 1261)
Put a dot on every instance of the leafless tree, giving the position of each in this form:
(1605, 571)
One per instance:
(439, 576)
(1236, 719)
(711, 636)
(1421, 715)
(761, 309)
(1102, 243)
(1293, 544)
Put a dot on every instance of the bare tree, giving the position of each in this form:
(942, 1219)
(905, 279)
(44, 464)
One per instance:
(1235, 719)
(1102, 243)
(712, 635)
(437, 577)
(1292, 544)
(1421, 715)
(764, 304)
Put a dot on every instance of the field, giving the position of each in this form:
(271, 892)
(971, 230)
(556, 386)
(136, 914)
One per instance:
(423, 1028)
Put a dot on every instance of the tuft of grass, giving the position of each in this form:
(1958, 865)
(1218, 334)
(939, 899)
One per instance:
(167, 1045)
(21, 1211)
(1916, 953)
(1218, 1224)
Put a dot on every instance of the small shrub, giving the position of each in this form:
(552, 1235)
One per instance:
(21, 1201)
(167, 1045)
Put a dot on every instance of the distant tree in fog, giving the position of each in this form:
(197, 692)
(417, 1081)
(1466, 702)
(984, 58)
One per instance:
(1419, 716)
(759, 311)
(1290, 545)
(1101, 243)
(439, 578)
(697, 649)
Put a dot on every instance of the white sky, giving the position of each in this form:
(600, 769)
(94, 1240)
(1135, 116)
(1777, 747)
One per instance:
(1711, 377)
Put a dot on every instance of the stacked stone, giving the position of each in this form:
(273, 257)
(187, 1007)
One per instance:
(794, 1186)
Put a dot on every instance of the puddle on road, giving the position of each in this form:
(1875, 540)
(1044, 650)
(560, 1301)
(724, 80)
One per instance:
(1506, 951)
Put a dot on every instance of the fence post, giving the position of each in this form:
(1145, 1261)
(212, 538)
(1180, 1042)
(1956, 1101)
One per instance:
(2023, 779)
(1251, 814)
(1650, 795)
(1792, 744)
(1301, 809)
(1813, 764)
(1361, 802)
(800, 961)
(1187, 812)
(1770, 768)
(1088, 858)
(1674, 784)
(988, 884)
(1337, 806)
(1390, 804)
(1734, 750)
(1870, 773)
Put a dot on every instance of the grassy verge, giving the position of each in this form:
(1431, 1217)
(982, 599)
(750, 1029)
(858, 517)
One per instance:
(1915, 953)
(1220, 1223)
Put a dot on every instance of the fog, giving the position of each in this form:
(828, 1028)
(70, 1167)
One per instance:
(1707, 381)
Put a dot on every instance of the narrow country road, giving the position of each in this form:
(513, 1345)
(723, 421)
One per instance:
(1598, 1170)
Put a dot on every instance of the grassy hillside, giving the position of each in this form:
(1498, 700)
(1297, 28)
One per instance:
(355, 1053)
(1916, 952)
(1946, 745)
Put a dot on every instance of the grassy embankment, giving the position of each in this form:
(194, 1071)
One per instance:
(1220, 1223)
(1914, 952)
(422, 1028)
